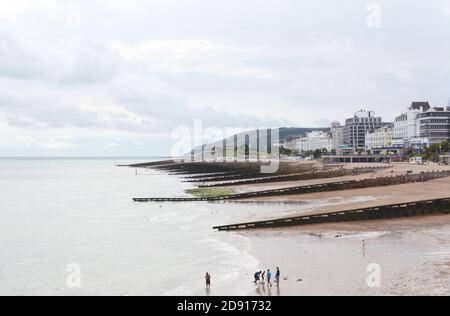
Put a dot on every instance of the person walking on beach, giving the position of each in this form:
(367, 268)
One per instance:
(269, 278)
(277, 277)
(208, 280)
(364, 248)
(263, 277)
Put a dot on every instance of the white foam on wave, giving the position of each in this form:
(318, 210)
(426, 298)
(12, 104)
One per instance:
(364, 235)
(232, 264)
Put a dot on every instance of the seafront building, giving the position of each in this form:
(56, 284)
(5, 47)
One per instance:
(337, 133)
(407, 127)
(365, 137)
(291, 145)
(380, 139)
(435, 125)
(421, 126)
(365, 134)
(357, 127)
(316, 140)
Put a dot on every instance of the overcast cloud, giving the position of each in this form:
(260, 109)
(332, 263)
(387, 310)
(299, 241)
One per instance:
(114, 77)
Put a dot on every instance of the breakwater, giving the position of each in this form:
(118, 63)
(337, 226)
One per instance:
(324, 187)
(418, 208)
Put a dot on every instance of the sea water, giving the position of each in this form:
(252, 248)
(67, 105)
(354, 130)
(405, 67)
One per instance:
(69, 227)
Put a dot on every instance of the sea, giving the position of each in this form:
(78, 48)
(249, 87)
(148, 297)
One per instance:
(69, 227)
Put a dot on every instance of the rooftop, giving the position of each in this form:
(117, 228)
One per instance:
(424, 106)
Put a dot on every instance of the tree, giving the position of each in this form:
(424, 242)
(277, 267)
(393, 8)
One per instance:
(445, 147)
(317, 154)
(286, 151)
(410, 153)
(307, 153)
(432, 152)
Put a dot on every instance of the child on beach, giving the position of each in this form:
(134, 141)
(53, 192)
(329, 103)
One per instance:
(263, 277)
(269, 278)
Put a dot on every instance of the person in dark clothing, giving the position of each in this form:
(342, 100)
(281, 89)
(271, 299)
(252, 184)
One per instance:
(277, 276)
(258, 277)
(208, 280)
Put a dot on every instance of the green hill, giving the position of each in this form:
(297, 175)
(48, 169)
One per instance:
(286, 134)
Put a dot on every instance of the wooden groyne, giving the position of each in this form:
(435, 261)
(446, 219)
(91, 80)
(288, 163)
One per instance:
(307, 175)
(369, 169)
(201, 168)
(208, 175)
(226, 177)
(324, 187)
(248, 179)
(155, 164)
(284, 178)
(418, 208)
(145, 200)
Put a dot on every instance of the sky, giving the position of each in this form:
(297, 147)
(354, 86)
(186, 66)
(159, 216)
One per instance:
(123, 78)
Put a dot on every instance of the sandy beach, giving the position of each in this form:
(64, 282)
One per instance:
(329, 259)
(402, 256)
(357, 198)
(123, 247)
(413, 256)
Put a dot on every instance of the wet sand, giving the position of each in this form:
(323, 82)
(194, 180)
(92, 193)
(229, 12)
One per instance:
(398, 169)
(323, 202)
(330, 259)
(414, 258)
(361, 198)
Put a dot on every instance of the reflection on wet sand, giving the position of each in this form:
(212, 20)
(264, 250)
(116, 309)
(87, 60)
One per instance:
(266, 290)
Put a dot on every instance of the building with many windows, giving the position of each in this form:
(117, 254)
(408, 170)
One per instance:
(421, 126)
(406, 131)
(356, 128)
(337, 133)
(380, 138)
(434, 125)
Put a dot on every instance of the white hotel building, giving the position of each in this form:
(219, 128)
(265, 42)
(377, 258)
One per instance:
(422, 126)
(315, 140)
(407, 126)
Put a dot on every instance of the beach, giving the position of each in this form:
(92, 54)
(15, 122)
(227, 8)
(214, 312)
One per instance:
(330, 259)
(60, 212)
(414, 257)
